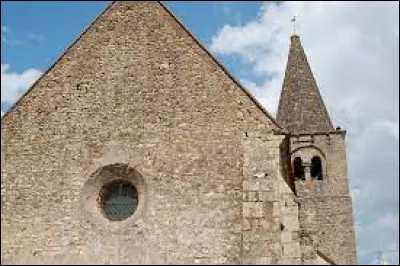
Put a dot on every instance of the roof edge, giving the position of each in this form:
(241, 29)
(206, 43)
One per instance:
(12, 107)
(337, 132)
(322, 255)
(254, 100)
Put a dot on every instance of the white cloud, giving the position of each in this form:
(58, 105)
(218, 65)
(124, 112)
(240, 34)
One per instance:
(5, 38)
(266, 93)
(4, 28)
(379, 232)
(14, 84)
(353, 50)
(8, 38)
(36, 37)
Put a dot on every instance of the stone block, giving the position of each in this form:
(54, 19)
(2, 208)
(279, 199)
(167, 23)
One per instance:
(253, 210)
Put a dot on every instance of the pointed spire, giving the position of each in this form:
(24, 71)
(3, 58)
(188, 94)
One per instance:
(301, 108)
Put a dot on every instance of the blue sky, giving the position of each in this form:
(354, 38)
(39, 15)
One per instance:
(251, 40)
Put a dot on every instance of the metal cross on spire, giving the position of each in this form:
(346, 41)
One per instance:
(294, 24)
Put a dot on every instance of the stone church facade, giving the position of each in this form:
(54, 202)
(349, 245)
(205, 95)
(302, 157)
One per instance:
(138, 147)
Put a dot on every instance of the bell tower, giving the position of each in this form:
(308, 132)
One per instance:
(318, 160)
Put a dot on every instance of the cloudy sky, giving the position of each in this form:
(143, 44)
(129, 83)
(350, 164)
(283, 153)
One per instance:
(353, 49)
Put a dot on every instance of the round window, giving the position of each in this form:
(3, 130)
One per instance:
(119, 200)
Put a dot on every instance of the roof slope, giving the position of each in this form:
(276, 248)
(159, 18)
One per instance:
(301, 108)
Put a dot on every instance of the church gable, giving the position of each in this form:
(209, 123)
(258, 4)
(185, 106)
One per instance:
(140, 44)
(134, 92)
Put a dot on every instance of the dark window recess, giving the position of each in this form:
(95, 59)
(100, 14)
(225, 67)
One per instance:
(298, 168)
(119, 200)
(316, 168)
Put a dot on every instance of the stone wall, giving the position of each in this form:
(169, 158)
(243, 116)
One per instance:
(326, 205)
(138, 91)
(270, 210)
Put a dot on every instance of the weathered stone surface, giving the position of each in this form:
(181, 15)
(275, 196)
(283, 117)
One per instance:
(136, 90)
(137, 98)
(325, 205)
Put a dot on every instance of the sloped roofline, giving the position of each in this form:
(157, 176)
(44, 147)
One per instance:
(326, 258)
(221, 66)
(58, 60)
(254, 100)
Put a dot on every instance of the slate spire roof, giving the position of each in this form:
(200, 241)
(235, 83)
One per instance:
(301, 108)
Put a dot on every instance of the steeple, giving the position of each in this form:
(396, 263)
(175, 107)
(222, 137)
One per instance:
(301, 108)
